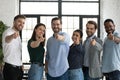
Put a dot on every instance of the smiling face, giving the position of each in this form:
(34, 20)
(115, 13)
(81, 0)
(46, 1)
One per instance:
(76, 37)
(90, 29)
(109, 27)
(18, 24)
(40, 31)
(56, 26)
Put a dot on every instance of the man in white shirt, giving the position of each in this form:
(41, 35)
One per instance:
(12, 50)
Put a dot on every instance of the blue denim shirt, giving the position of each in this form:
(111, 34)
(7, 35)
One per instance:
(111, 55)
(57, 53)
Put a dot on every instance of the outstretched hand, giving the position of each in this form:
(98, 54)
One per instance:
(93, 42)
(15, 35)
(111, 36)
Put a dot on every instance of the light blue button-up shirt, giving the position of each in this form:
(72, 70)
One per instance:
(111, 55)
(57, 54)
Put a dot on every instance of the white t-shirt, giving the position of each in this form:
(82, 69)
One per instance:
(12, 51)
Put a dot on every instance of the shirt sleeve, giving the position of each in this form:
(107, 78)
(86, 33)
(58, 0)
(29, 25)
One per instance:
(67, 38)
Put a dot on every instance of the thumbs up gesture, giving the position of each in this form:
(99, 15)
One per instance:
(93, 42)
(111, 36)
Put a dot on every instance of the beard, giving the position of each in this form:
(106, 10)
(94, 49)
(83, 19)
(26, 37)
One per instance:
(56, 30)
(18, 28)
(110, 31)
(90, 34)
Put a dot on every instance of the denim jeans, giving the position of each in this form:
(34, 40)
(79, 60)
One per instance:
(35, 72)
(115, 75)
(75, 74)
(63, 77)
(86, 74)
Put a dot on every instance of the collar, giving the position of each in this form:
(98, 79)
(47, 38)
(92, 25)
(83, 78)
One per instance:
(89, 38)
(58, 33)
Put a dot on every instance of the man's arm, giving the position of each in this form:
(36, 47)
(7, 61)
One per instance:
(9, 38)
(59, 37)
(46, 66)
(116, 39)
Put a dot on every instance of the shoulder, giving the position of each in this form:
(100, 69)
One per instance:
(8, 31)
(98, 39)
(30, 40)
(63, 33)
(50, 38)
(117, 34)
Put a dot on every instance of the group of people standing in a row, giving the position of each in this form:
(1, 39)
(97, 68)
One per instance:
(83, 60)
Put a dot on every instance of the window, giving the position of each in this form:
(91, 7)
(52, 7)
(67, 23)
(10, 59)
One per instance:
(39, 8)
(26, 35)
(74, 14)
(80, 8)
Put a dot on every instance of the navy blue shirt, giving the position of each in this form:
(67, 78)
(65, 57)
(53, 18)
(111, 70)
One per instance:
(75, 57)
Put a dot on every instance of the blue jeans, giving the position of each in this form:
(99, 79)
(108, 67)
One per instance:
(75, 74)
(115, 75)
(63, 77)
(86, 74)
(35, 72)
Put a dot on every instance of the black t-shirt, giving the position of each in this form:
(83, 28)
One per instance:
(36, 54)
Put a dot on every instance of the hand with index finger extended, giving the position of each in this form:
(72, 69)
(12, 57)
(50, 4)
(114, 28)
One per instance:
(15, 35)
(41, 39)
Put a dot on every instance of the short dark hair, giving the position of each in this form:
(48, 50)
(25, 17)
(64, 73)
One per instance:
(19, 16)
(108, 20)
(56, 18)
(93, 22)
(80, 32)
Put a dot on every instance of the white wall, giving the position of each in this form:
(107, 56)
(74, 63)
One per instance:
(110, 9)
(8, 9)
